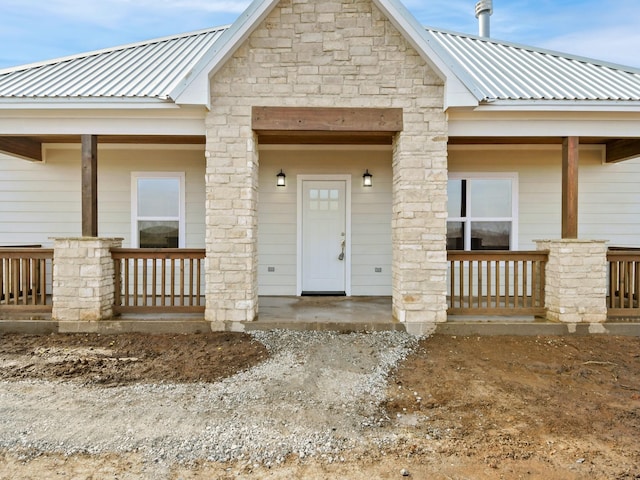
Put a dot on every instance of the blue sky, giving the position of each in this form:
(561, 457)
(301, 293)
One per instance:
(35, 30)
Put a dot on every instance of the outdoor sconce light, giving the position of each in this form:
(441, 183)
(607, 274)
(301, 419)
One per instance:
(281, 179)
(367, 179)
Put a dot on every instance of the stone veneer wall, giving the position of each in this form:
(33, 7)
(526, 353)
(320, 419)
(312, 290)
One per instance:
(576, 280)
(83, 279)
(327, 53)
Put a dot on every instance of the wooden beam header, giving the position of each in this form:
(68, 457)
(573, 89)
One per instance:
(310, 119)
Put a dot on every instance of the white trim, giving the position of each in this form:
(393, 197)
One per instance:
(514, 219)
(347, 180)
(134, 205)
(86, 103)
(559, 106)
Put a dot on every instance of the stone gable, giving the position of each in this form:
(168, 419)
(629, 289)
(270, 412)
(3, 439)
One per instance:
(307, 53)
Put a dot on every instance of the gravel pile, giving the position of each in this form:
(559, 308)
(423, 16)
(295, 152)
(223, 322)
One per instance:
(318, 395)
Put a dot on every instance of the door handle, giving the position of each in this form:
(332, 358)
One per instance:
(341, 256)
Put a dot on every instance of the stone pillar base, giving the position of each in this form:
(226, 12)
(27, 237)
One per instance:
(83, 279)
(576, 280)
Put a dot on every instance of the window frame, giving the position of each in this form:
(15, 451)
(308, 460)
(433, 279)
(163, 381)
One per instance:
(468, 220)
(135, 218)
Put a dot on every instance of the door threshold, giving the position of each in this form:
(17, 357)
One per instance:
(323, 294)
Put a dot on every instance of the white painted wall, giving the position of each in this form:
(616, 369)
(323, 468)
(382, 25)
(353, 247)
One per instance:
(608, 195)
(43, 200)
(370, 215)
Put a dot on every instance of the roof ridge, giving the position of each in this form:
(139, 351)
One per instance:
(127, 46)
(546, 51)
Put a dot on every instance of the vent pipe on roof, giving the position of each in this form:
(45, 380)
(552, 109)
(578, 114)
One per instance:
(484, 9)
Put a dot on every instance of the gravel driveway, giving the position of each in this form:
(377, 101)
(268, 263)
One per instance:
(318, 394)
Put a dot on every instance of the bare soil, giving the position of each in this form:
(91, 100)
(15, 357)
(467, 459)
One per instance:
(117, 360)
(461, 407)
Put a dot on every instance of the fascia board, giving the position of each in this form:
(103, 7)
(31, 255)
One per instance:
(542, 127)
(194, 89)
(85, 104)
(596, 106)
(457, 92)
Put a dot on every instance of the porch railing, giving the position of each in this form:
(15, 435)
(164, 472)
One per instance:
(25, 279)
(624, 282)
(150, 280)
(497, 282)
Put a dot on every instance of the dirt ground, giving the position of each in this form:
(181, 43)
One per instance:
(462, 407)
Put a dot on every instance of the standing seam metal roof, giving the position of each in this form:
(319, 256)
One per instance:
(495, 70)
(142, 70)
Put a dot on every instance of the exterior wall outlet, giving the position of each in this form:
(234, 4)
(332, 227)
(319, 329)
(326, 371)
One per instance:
(271, 269)
(378, 269)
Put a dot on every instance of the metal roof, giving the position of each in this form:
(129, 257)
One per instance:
(142, 70)
(497, 70)
(492, 70)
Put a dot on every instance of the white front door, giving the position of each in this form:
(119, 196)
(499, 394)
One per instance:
(324, 237)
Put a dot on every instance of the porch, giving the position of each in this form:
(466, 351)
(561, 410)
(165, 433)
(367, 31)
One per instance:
(162, 290)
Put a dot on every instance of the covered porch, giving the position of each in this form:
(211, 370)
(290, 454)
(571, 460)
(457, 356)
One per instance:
(145, 281)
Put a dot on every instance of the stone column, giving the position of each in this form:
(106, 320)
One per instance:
(419, 277)
(231, 219)
(576, 280)
(83, 279)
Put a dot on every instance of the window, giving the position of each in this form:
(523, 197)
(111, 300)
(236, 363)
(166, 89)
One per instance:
(157, 210)
(482, 212)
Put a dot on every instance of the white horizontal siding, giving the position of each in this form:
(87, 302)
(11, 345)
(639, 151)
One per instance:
(608, 195)
(370, 216)
(39, 201)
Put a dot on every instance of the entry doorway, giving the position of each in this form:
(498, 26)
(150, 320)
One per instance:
(324, 236)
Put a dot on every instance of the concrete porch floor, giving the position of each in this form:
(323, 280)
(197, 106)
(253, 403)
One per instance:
(324, 313)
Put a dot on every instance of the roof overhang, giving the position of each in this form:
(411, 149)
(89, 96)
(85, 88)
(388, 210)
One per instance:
(101, 121)
(496, 123)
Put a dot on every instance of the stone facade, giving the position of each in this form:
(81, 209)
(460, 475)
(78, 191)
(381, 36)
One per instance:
(83, 279)
(327, 53)
(576, 280)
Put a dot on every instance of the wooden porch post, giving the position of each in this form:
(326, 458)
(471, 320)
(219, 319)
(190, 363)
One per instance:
(570, 157)
(89, 185)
